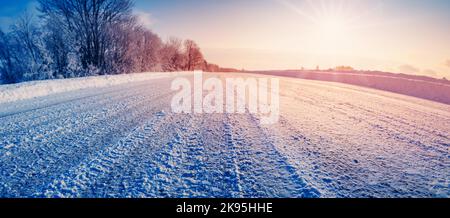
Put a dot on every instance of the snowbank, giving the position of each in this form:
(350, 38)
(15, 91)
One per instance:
(27, 90)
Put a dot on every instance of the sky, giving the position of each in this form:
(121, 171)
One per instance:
(402, 36)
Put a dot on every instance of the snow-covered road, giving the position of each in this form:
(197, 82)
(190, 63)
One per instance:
(332, 140)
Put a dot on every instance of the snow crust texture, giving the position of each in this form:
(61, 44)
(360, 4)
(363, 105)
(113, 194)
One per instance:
(122, 140)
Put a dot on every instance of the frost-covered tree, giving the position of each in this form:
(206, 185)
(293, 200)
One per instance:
(145, 49)
(9, 61)
(117, 56)
(172, 55)
(90, 22)
(194, 57)
(57, 48)
(74, 38)
(28, 38)
(22, 57)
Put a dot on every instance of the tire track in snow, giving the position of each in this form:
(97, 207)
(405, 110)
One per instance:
(194, 182)
(104, 174)
(232, 166)
(19, 123)
(170, 160)
(300, 152)
(209, 167)
(264, 172)
(146, 164)
(35, 105)
(134, 151)
(74, 126)
(177, 167)
(55, 156)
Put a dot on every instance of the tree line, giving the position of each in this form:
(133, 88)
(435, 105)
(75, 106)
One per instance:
(75, 38)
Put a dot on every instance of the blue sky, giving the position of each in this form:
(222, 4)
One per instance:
(409, 36)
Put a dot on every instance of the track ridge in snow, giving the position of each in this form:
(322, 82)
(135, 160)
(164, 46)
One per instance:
(230, 141)
(64, 113)
(261, 163)
(51, 158)
(66, 98)
(75, 182)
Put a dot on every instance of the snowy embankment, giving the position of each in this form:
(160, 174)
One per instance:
(417, 86)
(27, 90)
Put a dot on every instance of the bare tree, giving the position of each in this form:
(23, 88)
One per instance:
(57, 48)
(145, 47)
(194, 57)
(27, 43)
(172, 56)
(8, 60)
(117, 57)
(90, 37)
(89, 21)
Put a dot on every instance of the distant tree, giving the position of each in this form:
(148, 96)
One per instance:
(344, 68)
(194, 57)
(145, 49)
(211, 67)
(90, 37)
(172, 56)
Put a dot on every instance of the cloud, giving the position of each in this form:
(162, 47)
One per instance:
(408, 69)
(145, 19)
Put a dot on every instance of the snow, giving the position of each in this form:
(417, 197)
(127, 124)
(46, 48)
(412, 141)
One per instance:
(332, 140)
(26, 90)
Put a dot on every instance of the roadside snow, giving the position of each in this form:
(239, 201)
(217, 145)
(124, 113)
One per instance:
(27, 90)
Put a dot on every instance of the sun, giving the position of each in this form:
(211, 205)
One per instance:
(331, 34)
(332, 26)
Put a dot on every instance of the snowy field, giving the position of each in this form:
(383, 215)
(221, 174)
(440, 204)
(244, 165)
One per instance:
(121, 140)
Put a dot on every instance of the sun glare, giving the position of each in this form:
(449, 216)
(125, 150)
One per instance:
(332, 26)
(331, 35)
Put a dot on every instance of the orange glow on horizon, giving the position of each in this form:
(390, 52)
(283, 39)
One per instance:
(286, 34)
